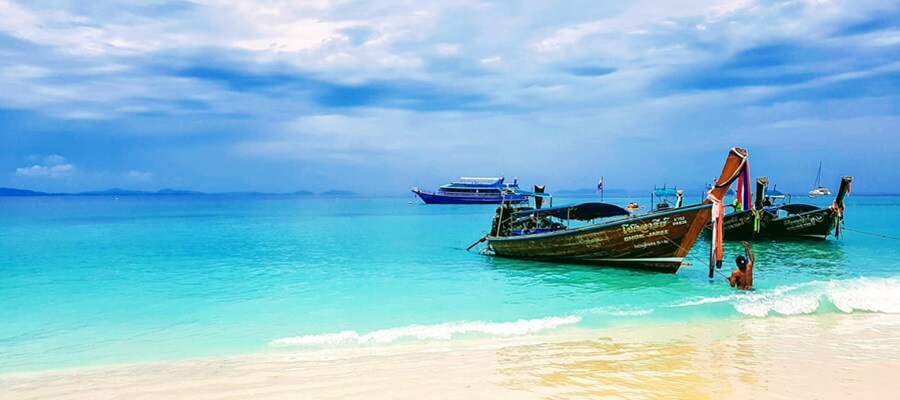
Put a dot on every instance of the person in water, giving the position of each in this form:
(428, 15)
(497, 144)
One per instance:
(742, 277)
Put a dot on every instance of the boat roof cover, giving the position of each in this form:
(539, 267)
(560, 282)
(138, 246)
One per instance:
(774, 193)
(798, 208)
(479, 181)
(665, 192)
(581, 212)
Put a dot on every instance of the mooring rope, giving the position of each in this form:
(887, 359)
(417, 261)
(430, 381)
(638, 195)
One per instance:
(871, 234)
(689, 256)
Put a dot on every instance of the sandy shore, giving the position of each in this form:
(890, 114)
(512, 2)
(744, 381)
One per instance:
(834, 356)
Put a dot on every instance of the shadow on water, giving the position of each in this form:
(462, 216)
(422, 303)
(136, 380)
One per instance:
(777, 263)
(578, 275)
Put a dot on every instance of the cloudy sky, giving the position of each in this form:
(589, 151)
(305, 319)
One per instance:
(380, 95)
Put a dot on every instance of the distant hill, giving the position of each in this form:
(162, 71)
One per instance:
(112, 192)
(118, 192)
(339, 193)
(177, 192)
(10, 192)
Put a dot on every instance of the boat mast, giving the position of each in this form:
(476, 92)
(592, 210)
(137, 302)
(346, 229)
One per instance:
(819, 176)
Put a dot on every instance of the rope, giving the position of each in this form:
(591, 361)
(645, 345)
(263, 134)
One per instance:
(872, 234)
(721, 274)
(688, 255)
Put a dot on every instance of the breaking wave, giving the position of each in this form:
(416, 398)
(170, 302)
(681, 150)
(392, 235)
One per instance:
(618, 311)
(445, 331)
(881, 295)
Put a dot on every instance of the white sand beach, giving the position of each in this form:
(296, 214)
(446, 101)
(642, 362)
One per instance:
(822, 357)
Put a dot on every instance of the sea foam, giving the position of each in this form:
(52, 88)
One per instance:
(880, 295)
(862, 294)
(444, 331)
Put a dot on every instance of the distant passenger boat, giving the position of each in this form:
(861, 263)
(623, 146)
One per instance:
(819, 190)
(473, 191)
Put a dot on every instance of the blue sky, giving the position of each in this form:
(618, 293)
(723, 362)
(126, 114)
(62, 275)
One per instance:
(377, 96)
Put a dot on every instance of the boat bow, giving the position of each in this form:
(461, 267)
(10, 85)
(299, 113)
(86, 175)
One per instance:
(736, 166)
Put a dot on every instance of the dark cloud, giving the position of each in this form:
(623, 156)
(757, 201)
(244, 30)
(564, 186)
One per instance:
(591, 71)
(402, 94)
(769, 65)
(885, 21)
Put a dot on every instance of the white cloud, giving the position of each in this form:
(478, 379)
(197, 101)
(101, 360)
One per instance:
(54, 166)
(447, 49)
(296, 36)
(139, 176)
(491, 60)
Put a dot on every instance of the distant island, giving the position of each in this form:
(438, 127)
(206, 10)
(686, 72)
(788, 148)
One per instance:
(339, 193)
(10, 192)
(117, 192)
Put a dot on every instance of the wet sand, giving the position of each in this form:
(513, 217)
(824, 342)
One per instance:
(823, 357)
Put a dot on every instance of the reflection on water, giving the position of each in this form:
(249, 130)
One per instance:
(603, 368)
(578, 275)
(726, 359)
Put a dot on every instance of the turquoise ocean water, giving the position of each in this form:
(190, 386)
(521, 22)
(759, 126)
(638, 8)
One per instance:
(90, 281)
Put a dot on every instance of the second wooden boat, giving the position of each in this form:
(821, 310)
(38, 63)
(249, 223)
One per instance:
(772, 218)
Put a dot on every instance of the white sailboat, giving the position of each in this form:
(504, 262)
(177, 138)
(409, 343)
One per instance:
(819, 189)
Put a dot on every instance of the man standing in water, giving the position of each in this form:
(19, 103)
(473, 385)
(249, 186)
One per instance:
(742, 277)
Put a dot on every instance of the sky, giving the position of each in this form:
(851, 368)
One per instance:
(377, 96)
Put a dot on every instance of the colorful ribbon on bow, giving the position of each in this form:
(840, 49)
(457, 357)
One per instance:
(717, 217)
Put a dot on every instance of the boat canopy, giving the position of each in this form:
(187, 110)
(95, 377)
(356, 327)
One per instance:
(774, 193)
(665, 192)
(479, 181)
(581, 212)
(798, 208)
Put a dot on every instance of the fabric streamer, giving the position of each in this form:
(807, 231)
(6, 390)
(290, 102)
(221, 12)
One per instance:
(743, 186)
(718, 215)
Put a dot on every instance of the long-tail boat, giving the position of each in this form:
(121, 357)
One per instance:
(768, 219)
(805, 221)
(657, 241)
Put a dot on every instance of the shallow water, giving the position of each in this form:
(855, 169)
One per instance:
(95, 280)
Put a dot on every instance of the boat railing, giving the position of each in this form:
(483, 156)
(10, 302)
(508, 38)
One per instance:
(473, 194)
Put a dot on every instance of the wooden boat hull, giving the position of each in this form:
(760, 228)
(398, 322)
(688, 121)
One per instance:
(654, 242)
(812, 225)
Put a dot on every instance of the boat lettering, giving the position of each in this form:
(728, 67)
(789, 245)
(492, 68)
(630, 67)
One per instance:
(802, 222)
(639, 236)
(645, 245)
(738, 221)
(679, 220)
(655, 223)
